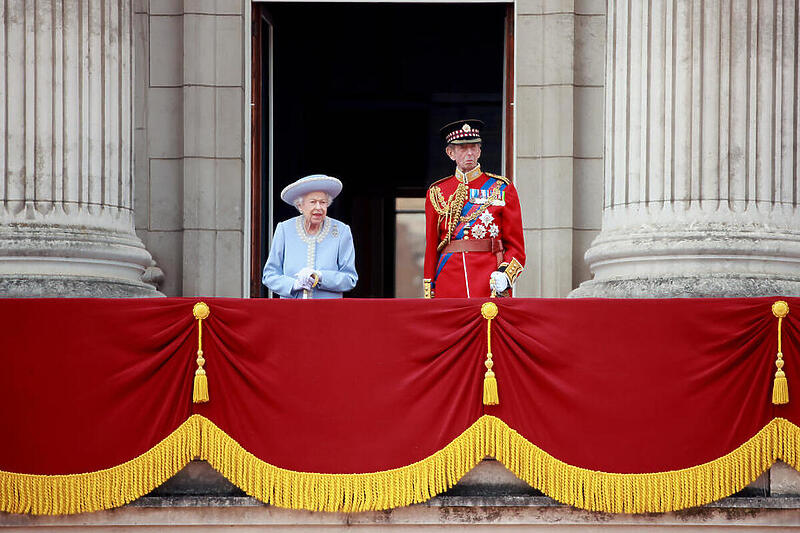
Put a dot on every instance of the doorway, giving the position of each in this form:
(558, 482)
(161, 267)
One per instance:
(359, 92)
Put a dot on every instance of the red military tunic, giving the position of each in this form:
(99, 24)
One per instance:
(491, 215)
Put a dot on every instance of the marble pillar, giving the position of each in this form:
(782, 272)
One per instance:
(701, 161)
(66, 208)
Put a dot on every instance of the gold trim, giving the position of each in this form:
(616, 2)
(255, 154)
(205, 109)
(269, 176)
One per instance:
(490, 394)
(498, 177)
(427, 289)
(414, 483)
(489, 436)
(102, 489)
(201, 312)
(398, 487)
(469, 175)
(656, 492)
(780, 386)
(450, 210)
(513, 270)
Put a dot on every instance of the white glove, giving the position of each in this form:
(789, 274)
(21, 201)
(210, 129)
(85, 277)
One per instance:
(304, 273)
(301, 284)
(304, 279)
(498, 281)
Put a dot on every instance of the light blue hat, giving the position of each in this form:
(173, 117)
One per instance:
(312, 183)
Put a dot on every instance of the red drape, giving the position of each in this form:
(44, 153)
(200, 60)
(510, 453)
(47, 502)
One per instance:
(358, 386)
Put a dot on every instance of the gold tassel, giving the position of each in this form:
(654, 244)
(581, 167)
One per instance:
(490, 388)
(200, 391)
(490, 395)
(780, 387)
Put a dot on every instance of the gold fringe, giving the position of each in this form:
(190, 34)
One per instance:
(103, 489)
(414, 483)
(490, 436)
(656, 492)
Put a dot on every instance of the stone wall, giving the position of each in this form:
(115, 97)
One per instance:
(559, 138)
(510, 515)
(190, 142)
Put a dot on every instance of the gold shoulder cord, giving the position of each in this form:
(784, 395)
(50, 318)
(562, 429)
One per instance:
(498, 177)
(450, 210)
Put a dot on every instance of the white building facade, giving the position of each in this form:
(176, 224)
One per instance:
(671, 128)
(653, 144)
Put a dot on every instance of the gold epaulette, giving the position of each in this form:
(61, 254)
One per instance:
(501, 178)
(440, 180)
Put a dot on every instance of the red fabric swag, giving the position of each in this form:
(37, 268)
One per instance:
(353, 386)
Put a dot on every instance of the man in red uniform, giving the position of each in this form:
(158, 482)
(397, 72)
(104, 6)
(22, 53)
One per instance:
(473, 224)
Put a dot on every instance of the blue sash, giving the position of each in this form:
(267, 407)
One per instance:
(468, 209)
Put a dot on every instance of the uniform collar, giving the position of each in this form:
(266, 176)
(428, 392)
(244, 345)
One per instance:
(468, 176)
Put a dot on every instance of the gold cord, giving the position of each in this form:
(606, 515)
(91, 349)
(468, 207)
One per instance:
(490, 395)
(780, 386)
(200, 390)
(450, 210)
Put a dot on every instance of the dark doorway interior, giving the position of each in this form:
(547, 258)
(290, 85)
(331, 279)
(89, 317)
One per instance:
(360, 91)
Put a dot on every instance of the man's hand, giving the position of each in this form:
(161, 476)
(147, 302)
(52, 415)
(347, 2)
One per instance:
(498, 282)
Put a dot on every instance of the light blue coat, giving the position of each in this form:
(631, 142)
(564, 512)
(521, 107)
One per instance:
(330, 252)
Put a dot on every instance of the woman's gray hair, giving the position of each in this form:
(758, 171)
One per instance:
(299, 200)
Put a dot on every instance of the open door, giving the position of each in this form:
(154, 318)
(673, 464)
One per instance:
(509, 95)
(360, 91)
(261, 135)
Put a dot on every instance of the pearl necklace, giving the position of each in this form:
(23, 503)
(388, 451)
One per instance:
(312, 240)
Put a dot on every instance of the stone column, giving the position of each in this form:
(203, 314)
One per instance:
(701, 162)
(66, 217)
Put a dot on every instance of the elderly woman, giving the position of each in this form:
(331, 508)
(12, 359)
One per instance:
(312, 254)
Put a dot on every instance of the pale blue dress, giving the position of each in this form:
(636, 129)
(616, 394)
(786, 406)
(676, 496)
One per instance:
(329, 251)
